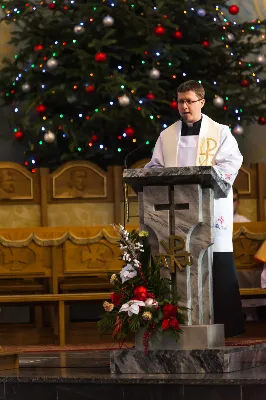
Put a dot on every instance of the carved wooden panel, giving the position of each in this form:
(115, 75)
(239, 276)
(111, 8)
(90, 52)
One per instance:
(246, 244)
(16, 183)
(92, 258)
(77, 180)
(243, 181)
(32, 260)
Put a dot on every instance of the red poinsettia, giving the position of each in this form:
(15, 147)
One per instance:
(116, 298)
(170, 323)
(169, 311)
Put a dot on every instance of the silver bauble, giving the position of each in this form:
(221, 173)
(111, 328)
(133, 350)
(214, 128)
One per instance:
(230, 37)
(108, 21)
(238, 130)
(261, 59)
(149, 303)
(124, 100)
(201, 12)
(79, 29)
(218, 101)
(154, 73)
(25, 87)
(52, 63)
(71, 99)
(49, 137)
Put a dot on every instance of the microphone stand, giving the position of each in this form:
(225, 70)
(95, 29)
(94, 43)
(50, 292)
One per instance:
(125, 187)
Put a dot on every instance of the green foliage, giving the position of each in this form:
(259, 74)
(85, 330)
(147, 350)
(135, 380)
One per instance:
(83, 121)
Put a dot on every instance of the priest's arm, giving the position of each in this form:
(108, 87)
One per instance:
(228, 158)
(157, 160)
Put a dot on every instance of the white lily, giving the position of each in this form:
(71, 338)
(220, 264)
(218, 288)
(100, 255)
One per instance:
(132, 307)
(127, 273)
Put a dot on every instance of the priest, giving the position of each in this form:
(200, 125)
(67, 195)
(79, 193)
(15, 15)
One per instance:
(197, 140)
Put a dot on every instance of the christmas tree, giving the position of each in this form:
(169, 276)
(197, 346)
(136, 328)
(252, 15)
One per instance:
(95, 79)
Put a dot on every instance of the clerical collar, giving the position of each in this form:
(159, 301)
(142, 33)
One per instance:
(191, 129)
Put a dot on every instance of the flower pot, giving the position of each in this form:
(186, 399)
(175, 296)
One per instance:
(157, 341)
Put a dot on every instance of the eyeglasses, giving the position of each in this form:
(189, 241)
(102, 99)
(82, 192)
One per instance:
(235, 200)
(188, 102)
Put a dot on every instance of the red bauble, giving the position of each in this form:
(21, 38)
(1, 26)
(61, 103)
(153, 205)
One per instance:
(233, 9)
(206, 44)
(51, 6)
(89, 88)
(159, 30)
(100, 57)
(150, 96)
(140, 293)
(245, 83)
(40, 108)
(174, 105)
(262, 120)
(19, 135)
(129, 131)
(178, 35)
(38, 47)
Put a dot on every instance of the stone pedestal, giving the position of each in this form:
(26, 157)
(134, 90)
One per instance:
(192, 337)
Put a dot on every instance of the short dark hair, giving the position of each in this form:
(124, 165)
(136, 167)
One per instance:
(235, 191)
(194, 86)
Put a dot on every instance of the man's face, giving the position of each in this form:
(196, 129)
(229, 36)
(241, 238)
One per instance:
(190, 110)
(236, 202)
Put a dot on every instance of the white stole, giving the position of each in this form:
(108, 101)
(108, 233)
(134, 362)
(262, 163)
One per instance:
(209, 139)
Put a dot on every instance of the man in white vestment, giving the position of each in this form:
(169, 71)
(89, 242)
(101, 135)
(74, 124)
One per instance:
(197, 140)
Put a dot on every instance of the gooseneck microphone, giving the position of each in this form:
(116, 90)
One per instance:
(125, 186)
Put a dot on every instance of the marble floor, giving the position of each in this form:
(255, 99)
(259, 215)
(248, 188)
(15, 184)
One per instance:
(85, 375)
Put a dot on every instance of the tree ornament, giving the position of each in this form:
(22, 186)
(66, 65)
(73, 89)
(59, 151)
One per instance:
(40, 108)
(129, 131)
(154, 73)
(49, 137)
(262, 120)
(150, 96)
(140, 293)
(19, 135)
(108, 21)
(238, 130)
(245, 83)
(52, 63)
(51, 6)
(71, 99)
(25, 87)
(89, 88)
(174, 105)
(206, 44)
(261, 59)
(100, 57)
(201, 12)
(178, 35)
(218, 101)
(79, 29)
(124, 100)
(149, 303)
(38, 47)
(233, 9)
(230, 37)
(159, 30)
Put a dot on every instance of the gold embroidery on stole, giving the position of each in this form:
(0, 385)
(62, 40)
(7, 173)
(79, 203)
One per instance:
(207, 146)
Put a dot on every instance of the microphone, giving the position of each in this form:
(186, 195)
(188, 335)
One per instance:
(133, 151)
(125, 186)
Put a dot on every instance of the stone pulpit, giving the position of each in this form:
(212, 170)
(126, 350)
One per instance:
(176, 208)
